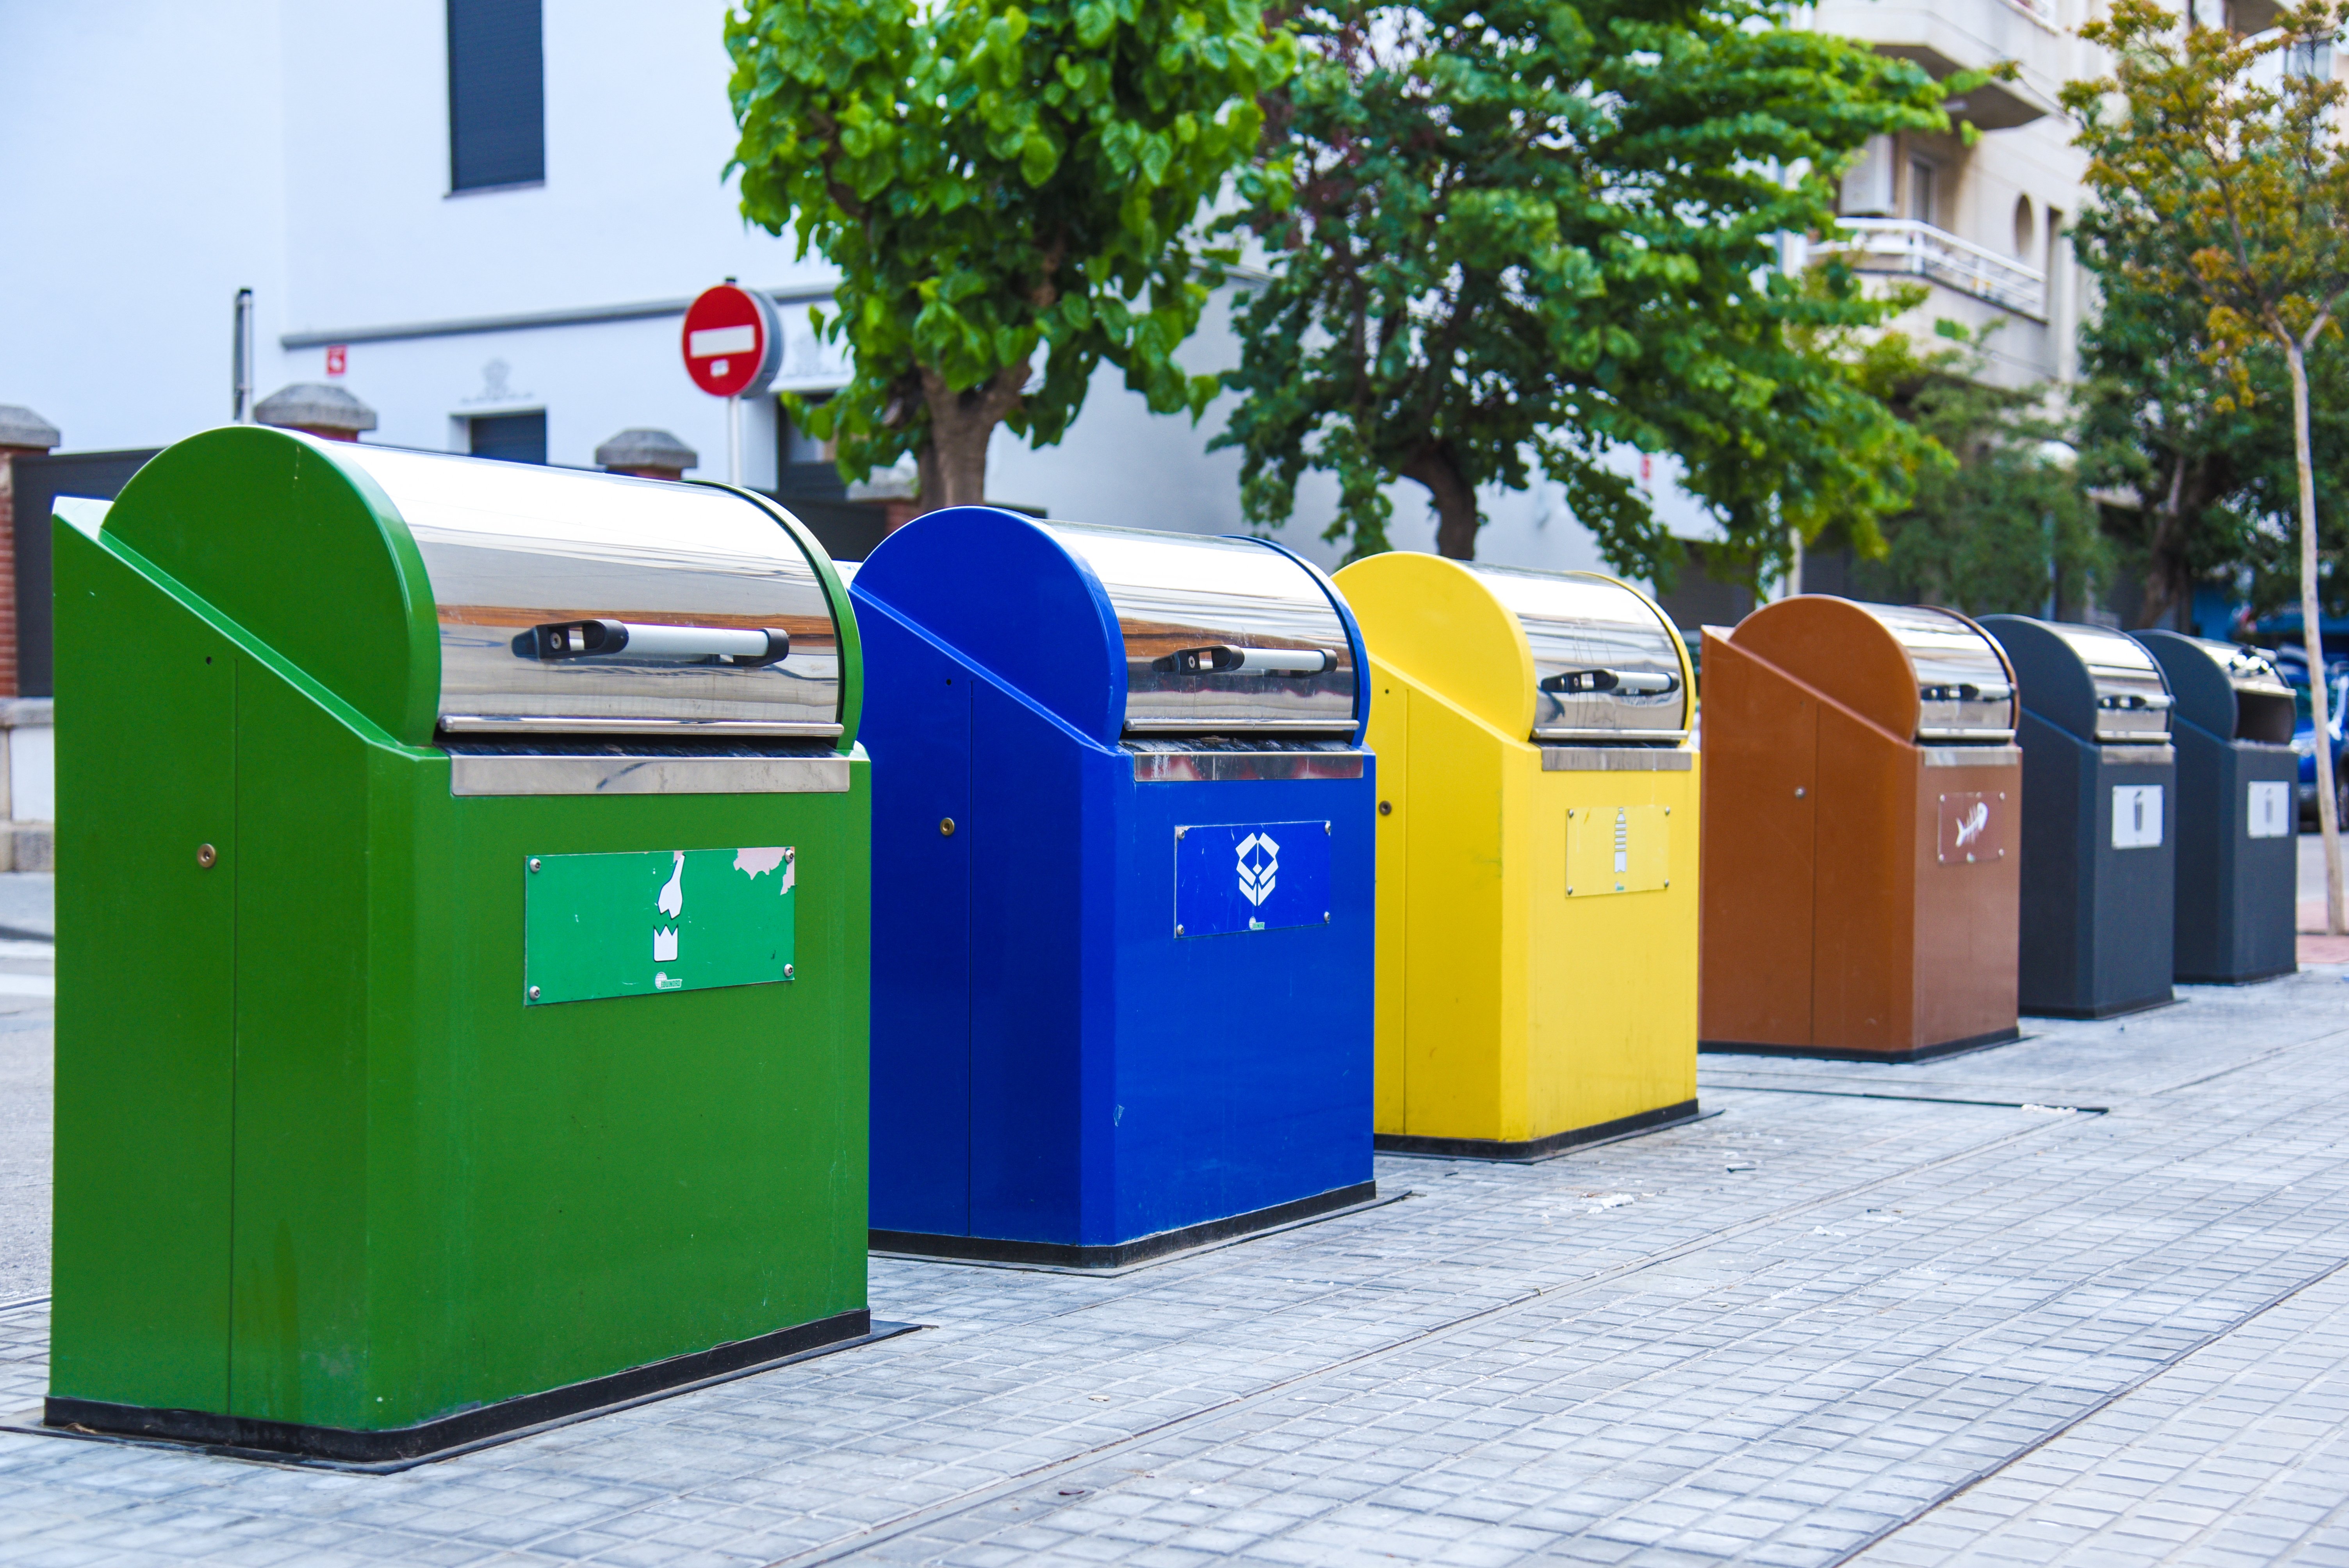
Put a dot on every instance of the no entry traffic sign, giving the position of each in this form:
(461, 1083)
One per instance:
(733, 341)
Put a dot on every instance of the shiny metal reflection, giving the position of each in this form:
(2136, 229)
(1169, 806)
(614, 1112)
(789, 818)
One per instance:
(510, 547)
(2133, 700)
(1607, 665)
(1177, 593)
(1964, 692)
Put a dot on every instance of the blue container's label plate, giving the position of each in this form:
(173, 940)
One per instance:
(1250, 876)
(671, 920)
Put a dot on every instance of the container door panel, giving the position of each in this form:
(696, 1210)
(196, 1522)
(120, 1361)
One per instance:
(1759, 833)
(1457, 931)
(145, 1074)
(1039, 1031)
(1391, 738)
(920, 743)
(299, 1324)
(1864, 925)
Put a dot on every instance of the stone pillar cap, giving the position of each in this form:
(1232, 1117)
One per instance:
(20, 426)
(641, 448)
(314, 405)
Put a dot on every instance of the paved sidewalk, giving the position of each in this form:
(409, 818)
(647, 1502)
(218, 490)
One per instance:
(1911, 1314)
(27, 1000)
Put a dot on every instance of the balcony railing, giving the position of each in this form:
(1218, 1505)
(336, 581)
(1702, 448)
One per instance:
(1921, 249)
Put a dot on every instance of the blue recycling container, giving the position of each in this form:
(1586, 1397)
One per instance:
(1122, 890)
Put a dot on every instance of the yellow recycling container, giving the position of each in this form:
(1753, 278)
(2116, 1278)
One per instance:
(1537, 857)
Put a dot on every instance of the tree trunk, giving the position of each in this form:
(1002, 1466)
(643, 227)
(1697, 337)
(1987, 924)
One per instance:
(2328, 815)
(1455, 501)
(2165, 564)
(953, 461)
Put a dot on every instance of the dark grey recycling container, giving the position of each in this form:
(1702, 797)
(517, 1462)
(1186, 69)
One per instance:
(2238, 861)
(2099, 819)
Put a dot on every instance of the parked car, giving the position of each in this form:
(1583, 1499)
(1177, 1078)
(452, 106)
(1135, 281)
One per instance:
(2303, 739)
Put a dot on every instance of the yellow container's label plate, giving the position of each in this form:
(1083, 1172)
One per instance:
(1617, 849)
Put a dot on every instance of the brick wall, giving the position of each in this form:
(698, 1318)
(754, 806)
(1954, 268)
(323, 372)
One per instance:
(8, 456)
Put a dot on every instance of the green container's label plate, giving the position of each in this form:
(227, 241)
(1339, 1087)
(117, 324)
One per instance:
(671, 920)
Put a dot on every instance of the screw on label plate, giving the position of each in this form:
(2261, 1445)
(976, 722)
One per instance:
(1386, 808)
(533, 993)
(1178, 833)
(1325, 917)
(1668, 810)
(533, 862)
(1178, 931)
(946, 826)
(789, 973)
(1800, 791)
(790, 854)
(206, 855)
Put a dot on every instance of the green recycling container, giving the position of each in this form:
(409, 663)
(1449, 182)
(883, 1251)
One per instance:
(463, 908)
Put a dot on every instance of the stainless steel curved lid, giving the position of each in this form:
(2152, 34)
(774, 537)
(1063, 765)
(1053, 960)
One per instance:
(2247, 670)
(1607, 666)
(1963, 687)
(1222, 635)
(693, 571)
(2133, 700)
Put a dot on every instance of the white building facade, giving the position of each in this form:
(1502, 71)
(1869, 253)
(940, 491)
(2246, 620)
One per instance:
(320, 156)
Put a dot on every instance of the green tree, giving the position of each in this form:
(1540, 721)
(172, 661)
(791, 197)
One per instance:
(2003, 526)
(1526, 232)
(2244, 164)
(2214, 477)
(2150, 417)
(994, 181)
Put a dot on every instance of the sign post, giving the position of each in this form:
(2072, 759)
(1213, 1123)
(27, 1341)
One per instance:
(733, 344)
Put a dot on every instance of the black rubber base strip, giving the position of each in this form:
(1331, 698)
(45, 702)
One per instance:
(2293, 968)
(1843, 1054)
(1070, 1256)
(1531, 1150)
(400, 1447)
(2113, 1010)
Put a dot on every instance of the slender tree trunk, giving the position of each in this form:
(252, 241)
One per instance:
(2163, 568)
(2328, 815)
(953, 460)
(1455, 501)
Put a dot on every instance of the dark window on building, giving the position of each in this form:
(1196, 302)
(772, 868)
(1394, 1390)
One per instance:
(497, 94)
(510, 438)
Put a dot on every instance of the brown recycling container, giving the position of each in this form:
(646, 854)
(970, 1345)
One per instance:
(1859, 877)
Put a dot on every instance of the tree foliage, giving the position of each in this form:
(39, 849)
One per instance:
(2003, 526)
(2237, 157)
(994, 181)
(1525, 233)
(2151, 424)
(2210, 489)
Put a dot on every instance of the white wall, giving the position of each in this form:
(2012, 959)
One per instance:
(174, 153)
(1121, 464)
(146, 185)
(638, 133)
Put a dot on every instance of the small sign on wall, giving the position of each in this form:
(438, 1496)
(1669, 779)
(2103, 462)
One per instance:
(1972, 830)
(2269, 816)
(666, 920)
(1232, 877)
(1617, 849)
(2137, 816)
